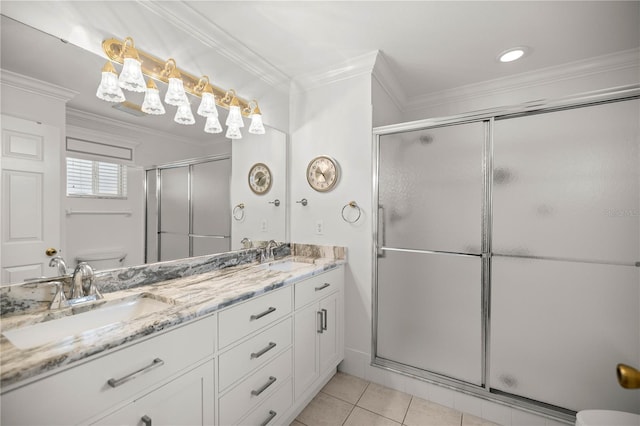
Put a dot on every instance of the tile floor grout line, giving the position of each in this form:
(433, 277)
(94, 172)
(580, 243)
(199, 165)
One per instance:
(348, 415)
(407, 412)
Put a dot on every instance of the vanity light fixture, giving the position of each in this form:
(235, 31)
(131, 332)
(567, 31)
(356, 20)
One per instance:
(179, 84)
(513, 54)
(152, 104)
(131, 75)
(109, 90)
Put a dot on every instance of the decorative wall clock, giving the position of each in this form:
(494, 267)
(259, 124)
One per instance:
(260, 178)
(323, 173)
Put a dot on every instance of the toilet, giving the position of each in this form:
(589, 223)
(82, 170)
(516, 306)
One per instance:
(606, 418)
(103, 260)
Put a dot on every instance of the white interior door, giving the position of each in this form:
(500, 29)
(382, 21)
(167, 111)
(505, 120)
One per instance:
(30, 211)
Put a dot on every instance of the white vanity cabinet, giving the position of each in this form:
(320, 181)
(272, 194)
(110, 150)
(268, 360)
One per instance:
(184, 401)
(319, 328)
(83, 393)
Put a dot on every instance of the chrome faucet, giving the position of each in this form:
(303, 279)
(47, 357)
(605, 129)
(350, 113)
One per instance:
(268, 250)
(58, 262)
(82, 282)
(246, 243)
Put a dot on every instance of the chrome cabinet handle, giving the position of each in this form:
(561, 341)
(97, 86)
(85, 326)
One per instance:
(319, 329)
(323, 286)
(272, 414)
(324, 321)
(261, 314)
(114, 383)
(146, 420)
(258, 354)
(264, 387)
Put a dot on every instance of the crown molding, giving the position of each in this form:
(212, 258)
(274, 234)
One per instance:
(185, 18)
(390, 84)
(627, 59)
(360, 65)
(87, 121)
(38, 87)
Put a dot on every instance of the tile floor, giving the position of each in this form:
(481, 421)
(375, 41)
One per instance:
(351, 401)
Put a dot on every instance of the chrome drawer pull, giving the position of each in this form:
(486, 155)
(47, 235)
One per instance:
(324, 322)
(146, 420)
(323, 286)
(319, 329)
(272, 414)
(264, 387)
(260, 315)
(263, 351)
(114, 383)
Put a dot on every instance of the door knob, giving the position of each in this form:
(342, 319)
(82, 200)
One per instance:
(51, 251)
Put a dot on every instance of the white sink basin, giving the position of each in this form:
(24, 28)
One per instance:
(286, 265)
(105, 315)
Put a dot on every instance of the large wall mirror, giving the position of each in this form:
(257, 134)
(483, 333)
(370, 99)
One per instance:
(101, 225)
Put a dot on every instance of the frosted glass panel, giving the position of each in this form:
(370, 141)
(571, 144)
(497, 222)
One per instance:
(567, 184)
(211, 198)
(174, 201)
(558, 330)
(152, 217)
(429, 313)
(430, 187)
(174, 246)
(204, 245)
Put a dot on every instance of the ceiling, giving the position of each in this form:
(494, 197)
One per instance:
(258, 47)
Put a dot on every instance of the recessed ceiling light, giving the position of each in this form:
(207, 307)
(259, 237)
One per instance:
(513, 54)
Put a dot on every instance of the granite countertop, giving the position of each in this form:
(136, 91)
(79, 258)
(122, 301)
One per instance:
(189, 297)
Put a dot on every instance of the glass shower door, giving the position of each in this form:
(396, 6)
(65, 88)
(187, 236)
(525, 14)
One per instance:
(429, 266)
(566, 239)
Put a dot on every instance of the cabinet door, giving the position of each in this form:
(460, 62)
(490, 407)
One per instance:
(329, 338)
(307, 324)
(187, 400)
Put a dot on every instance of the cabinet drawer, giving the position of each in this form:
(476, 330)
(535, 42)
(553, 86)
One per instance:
(317, 287)
(177, 349)
(270, 412)
(243, 319)
(255, 389)
(253, 353)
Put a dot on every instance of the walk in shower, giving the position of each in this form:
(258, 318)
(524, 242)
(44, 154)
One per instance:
(507, 252)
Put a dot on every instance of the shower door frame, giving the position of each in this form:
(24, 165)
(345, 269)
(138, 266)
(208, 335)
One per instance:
(488, 116)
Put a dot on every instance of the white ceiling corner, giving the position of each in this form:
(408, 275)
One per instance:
(32, 85)
(363, 64)
(383, 73)
(182, 16)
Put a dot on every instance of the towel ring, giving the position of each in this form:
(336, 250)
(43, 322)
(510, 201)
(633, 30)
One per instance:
(238, 212)
(353, 205)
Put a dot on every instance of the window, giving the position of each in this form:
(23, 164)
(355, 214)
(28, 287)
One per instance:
(87, 178)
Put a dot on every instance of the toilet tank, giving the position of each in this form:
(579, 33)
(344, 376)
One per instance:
(103, 260)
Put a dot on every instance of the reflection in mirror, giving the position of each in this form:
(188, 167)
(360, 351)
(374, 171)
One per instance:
(61, 99)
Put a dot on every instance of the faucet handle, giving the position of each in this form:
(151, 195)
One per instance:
(59, 299)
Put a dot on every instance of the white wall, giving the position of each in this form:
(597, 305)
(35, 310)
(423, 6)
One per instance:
(260, 221)
(336, 120)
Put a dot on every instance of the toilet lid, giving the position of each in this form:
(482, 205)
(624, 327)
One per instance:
(606, 418)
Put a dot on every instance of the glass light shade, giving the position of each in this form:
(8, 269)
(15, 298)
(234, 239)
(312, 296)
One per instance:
(109, 90)
(213, 125)
(234, 119)
(184, 115)
(208, 105)
(131, 77)
(233, 132)
(256, 127)
(175, 93)
(152, 104)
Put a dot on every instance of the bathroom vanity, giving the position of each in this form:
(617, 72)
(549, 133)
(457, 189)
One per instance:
(245, 344)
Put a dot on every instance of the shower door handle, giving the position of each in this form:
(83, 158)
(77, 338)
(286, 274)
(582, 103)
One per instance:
(381, 237)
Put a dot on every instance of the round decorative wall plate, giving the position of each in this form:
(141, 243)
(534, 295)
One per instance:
(323, 173)
(260, 178)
